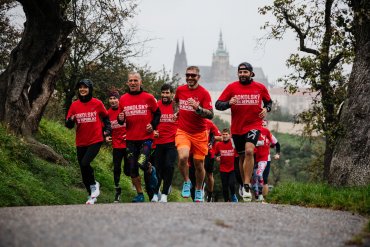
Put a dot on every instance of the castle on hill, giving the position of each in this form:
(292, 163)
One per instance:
(219, 74)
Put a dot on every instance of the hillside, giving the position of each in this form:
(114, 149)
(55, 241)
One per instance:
(29, 180)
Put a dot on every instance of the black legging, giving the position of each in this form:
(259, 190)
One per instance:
(118, 155)
(238, 176)
(165, 159)
(228, 183)
(85, 155)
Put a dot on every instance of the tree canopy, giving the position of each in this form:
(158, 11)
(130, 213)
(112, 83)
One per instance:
(325, 47)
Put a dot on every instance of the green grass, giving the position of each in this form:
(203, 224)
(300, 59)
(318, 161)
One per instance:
(354, 199)
(29, 180)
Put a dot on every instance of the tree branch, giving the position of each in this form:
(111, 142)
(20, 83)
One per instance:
(301, 36)
(335, 61)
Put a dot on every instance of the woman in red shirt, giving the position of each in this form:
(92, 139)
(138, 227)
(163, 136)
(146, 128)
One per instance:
(89, 114)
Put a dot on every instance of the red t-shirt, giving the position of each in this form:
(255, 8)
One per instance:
(88, 120)
(189, 121)
(244, 114)
(227, 155)
(263, 152)
(167, 126)
(118, 131)
(212, 129)
(138, 109)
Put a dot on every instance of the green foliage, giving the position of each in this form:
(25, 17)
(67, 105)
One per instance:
(28, 180)
(298, 160)
(102, 42)
(221, 124)
(355, 199)
(325, 41)
(277, 114)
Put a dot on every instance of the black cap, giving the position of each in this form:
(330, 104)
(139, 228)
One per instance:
(246, 66)
(87, 82)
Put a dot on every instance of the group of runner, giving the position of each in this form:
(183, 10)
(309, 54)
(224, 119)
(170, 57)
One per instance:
(178, 128)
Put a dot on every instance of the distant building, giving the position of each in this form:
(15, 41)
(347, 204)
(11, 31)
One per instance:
(291, 103)
(219, 74)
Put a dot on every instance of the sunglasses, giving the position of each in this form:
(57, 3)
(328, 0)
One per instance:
(191, 75)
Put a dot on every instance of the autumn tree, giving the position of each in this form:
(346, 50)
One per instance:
(29, 79)
(325, 46)
(351, 159)
(102, 42)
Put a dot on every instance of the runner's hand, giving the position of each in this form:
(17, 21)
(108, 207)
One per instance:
(233, 101)
(156, 133)
(108, 139)
(193, 103)
(149, 128)
(263, 113)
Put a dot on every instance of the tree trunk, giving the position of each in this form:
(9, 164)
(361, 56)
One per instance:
(328, 155)
(351, 158)
(29, 80)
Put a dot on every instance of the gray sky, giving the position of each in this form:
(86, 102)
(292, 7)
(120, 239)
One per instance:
(199, 22)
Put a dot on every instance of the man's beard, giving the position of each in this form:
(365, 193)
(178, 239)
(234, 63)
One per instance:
(245, 80)
(167, 101)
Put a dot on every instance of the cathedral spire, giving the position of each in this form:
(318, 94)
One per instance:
(183, 47)
(220, 42)
(180, 63)
(177, 49)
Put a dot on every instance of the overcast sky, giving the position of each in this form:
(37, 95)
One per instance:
(199, 22)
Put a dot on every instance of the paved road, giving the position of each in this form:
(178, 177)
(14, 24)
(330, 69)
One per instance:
(176, 224)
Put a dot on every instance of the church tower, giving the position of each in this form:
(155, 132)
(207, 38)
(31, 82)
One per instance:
(180, 64)
(220, 63)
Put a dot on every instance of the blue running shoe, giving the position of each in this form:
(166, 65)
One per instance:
(199, 196)
(138, 198)
(186, 189)
(153, 179)
(234, 198)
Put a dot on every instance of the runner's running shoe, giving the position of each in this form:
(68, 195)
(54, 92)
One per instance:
(260, 198)
(241, 190)
(210, 197)
(117, 196)
(234, 198)
(91, 200)
(186, 189)
(155, 198)
(138, 198)
(95, 189)
(199, 196)
(163, 198)
(247, 195)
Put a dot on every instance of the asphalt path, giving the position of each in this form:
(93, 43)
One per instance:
(177, 224)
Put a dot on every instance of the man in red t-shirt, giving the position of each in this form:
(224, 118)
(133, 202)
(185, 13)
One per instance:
(140, 111)
(249, 102)
(193, 106)
(166, 153)
(225, 154)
